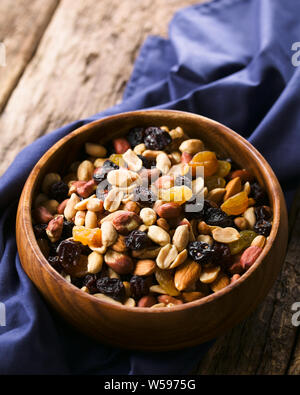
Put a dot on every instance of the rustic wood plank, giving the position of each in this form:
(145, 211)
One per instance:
(22, 24)
(265, 342)
(81, 66)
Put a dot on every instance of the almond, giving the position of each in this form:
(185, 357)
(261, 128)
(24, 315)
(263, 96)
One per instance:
(144, 267)
(221, 282)
(233, 187)
(186, 275)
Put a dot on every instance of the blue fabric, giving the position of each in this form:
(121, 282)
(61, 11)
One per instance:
(229, 60)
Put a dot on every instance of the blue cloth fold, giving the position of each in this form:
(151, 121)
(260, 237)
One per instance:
(229, 60)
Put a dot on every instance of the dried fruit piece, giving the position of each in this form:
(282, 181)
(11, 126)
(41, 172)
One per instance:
(118, 160)
(138, 287)
(236, 204)
(214, 182)
(86, 236)
(156, 139)
(165, 278)
(200, 252)
(208, 160)
(137, 240)
(246, 238)
(112, 287)
(177, 194)
(224, 168)
(135, 136)
(262, 227)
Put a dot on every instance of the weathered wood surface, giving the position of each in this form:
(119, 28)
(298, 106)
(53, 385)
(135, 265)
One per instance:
(22, 24)
(69, 59)
(81, 66)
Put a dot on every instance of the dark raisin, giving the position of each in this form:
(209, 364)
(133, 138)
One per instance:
(183, 180)
(54, 262)
(258, 194)
(59, 191)
(156, 139)
(135, 136)
(196, 208)
(200, 251)
(263, 212)
(138, 287)
(89, 281)
(40, 231)
(217, 217)
(222, 255)
(144, 196)
(112, 287)
(137, 240)
(76, 281)
(147, 162)
(262, 227)
(67, 229)
(69, 252)
(100, 174)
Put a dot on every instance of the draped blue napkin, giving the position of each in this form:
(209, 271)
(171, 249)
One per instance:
(230, 60)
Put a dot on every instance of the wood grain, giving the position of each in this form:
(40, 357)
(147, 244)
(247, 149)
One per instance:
(81, 66)
(155, 329)
(266, 343)
(22, 24)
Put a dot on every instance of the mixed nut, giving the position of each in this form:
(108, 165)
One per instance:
(136, 224)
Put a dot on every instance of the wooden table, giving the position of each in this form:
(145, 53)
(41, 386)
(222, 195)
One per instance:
(70, 59)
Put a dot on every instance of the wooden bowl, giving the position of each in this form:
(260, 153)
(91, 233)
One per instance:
(155, 329)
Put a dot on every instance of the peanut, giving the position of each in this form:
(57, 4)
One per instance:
(95, 262)
(95, 150)
(191, 146)
(169, 210)
(249, 256)
(94, 204)
(121, 145)
(209, 274)
(162, 223)
(113, 200)
(181, 237)
(148, 216)
(51, 205)
(120, 263)
(158, 235)
(225, 235)
(166, 256)
(54, 228)
(163, 163)
(168, 299)
(134, 163)
(41, 215)
(132, 206)
(79, 219)
(70, 210)
(139, 149)
(85, 171)
(241, 223)
(147, 301)
(91, 220)
(250, 217)
(109, 234)
(259, 241)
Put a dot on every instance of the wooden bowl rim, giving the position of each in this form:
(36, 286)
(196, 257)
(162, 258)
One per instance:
(266, 171)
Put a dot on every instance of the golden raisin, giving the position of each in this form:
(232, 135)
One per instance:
(177, 194)
(86, 236)
(208, 160)
(214, 182)
(224, 168)
(236, 204)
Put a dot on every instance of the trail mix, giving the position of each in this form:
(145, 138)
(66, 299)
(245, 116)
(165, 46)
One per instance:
(119, 225)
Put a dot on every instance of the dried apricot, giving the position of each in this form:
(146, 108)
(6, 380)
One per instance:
(208, 160)
(86, 236)
(236, 204)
